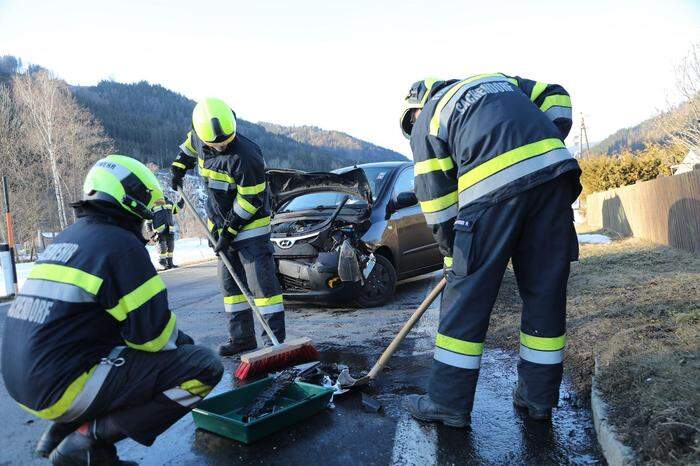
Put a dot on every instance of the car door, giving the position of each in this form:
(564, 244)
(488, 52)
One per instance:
(417, 248)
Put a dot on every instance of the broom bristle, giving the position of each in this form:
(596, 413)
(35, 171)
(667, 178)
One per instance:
(278, 359)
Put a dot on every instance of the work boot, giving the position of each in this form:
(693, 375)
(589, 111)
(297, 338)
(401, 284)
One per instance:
(533, 412)
(171, 264)
(232, 348)
(78, 449)
(163, 263)
(52, 436)
(423, 408)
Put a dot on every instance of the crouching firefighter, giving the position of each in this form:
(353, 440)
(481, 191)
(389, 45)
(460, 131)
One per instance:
(90, 343)
(163, 227)
(238, 208)
(496, 182)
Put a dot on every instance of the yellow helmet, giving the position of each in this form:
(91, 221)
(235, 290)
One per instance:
(214, 122)
(416, 98)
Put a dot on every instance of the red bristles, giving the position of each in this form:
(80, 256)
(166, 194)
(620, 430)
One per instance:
(275, 358)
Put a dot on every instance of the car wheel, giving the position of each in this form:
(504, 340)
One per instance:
(379, 286)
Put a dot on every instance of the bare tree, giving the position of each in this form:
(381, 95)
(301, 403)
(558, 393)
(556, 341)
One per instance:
(66, 135)
(682, 123)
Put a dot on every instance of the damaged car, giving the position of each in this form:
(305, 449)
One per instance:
(349, 235)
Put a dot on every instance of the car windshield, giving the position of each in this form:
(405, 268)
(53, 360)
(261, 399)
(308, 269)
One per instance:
(376, 177)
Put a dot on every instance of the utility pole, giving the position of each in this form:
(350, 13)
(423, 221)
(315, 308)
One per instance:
(584, 137)
(10, 232)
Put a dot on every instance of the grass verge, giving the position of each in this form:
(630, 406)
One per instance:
(636, 307)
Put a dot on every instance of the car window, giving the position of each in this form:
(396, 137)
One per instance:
(319, 201)
(405, 182)
(376, 177)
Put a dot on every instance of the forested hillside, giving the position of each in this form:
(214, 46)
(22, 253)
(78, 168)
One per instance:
(648, 133)
(150, 122)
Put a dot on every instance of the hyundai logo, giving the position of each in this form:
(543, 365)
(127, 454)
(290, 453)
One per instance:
(285, 243)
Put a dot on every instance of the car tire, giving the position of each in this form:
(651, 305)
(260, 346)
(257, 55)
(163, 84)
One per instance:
(379, 286)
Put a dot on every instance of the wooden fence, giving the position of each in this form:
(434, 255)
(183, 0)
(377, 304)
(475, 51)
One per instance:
(665, 210)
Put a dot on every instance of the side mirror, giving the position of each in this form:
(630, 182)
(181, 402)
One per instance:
(406, 199)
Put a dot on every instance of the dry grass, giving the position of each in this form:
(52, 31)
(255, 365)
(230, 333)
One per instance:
(636, 307)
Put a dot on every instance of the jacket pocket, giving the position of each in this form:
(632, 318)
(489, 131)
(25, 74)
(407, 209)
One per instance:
(464, 253)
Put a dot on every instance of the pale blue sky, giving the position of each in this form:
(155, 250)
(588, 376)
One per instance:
(347, 65)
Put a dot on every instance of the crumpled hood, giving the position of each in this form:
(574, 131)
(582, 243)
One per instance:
(288, 184)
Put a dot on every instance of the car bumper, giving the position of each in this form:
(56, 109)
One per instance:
(309, 281)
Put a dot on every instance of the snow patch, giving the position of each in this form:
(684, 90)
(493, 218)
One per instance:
(594, 239)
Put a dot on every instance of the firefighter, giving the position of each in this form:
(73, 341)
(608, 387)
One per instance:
(496, 182)
(163, 226)
(238, 208)
(90, 343)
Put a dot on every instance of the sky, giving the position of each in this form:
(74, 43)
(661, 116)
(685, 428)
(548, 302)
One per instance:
(346, 65)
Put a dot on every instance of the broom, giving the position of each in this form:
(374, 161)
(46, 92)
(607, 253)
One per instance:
(273, 358)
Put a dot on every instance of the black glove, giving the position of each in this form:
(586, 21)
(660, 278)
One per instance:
(225, 239)
(178, 175)
(181, 203)
(183, 339)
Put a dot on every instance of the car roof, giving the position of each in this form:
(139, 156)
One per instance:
(375, 165)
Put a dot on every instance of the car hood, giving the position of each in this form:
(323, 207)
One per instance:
(287, 184)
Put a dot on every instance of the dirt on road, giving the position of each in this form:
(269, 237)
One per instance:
(635, 306)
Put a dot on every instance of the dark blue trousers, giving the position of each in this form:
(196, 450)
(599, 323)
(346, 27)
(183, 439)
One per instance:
(535, 230)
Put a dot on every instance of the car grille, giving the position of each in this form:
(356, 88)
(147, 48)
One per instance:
(291, 285)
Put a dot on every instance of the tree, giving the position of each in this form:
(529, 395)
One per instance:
(64, 133)
(682, 124)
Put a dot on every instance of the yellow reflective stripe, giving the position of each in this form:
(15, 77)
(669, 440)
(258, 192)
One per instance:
(66, 400)
(435, 120)
(158, 342)
(555, 101)
(447, 261)
(232, 231)
(276, 299)
(210, 225)
(251, 190)
(543, 343)
(188, 143)
(432, 165)
(235, 299)
(136, 298)
(64, 274)
(214, 175)
(195, 387)
(507, 159)
(247, 206)
(537, 90)
(442, 202)
(459, 346)
(261, 222)
(180, 165)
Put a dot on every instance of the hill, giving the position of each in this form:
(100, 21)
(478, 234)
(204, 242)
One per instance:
(647, 133)
(149, 122)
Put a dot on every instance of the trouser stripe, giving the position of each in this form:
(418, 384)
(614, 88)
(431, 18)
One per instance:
(542, 350)
(271, 309)
(238, 307)
(182, 397)
(541, 357)
(462, 361)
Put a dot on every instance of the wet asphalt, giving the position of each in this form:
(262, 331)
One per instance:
(347, 434)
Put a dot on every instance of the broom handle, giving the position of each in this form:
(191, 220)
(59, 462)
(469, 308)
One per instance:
(417, 314)
(227, 263)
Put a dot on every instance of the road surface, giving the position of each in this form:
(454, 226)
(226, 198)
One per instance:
(347, 434)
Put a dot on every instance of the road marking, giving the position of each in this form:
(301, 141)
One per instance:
(416, 444)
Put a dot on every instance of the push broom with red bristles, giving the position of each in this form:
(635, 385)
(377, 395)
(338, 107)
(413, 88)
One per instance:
(279, 355)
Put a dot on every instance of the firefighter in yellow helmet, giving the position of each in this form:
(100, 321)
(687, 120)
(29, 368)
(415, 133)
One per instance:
(90, 343)
(238, 211)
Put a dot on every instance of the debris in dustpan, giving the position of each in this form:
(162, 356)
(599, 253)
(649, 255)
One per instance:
(337, 389)
(264, 403)
(316, 376)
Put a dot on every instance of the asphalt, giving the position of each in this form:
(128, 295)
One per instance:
(346, 434)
